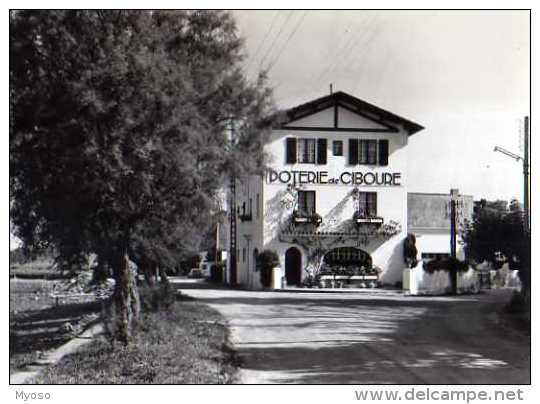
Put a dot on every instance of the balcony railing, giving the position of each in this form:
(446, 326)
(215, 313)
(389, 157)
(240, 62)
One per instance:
(302, 217)
(360, 218)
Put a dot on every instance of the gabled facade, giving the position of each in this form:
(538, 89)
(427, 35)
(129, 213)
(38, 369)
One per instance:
(336, 191)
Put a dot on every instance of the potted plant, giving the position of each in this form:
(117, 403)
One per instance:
(267, 261)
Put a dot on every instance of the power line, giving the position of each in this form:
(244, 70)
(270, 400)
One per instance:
(338, 50)
(287, 18)
(347, 49)
(298, 24)
(274, 19)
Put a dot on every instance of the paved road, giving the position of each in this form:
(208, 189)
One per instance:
(370, 336)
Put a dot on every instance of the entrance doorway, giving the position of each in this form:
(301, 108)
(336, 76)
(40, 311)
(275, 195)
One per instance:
(293, 266)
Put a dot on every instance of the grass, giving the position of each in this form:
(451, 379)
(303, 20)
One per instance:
(36, 323)
(37, 269)
(184, 345)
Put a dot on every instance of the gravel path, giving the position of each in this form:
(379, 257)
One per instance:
(370, 337)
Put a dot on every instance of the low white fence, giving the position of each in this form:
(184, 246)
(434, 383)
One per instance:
(420, 282)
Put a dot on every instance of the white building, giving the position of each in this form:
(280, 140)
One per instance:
(336, 193)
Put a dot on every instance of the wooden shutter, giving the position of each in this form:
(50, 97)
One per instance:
(321, 151)
(301, 207)
(372, 204)
(353, 151)
(291, 151)
(383, 152)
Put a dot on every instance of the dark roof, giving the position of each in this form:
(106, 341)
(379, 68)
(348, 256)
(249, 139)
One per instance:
(351, 103)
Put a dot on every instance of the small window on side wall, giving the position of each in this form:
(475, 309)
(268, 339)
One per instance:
(337, 147)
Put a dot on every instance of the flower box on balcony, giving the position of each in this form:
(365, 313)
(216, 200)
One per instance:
(373, 220)
(315, 218)
(364, 278)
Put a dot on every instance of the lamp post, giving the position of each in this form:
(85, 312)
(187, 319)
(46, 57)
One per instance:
(525, 159)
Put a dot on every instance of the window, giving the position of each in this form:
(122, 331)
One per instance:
(306, 151)
(250, 206)
(306, 203)
(337, 147)
(367, 151)
(367, 204)
(257, 203)
(255, 260)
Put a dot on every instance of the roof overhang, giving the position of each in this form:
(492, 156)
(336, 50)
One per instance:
(350, 103)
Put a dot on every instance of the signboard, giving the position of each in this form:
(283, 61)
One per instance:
(298, 177)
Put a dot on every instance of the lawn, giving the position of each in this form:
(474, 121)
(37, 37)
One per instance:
(37, 325)
(37, 269)
(186, 344)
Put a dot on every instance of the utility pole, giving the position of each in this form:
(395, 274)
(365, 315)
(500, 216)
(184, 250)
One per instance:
(454, 195)
(525, 158)
(526, 174)
(232, 229)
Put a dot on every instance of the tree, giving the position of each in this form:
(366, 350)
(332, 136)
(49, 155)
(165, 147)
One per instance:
(498, 230)
(118, 131)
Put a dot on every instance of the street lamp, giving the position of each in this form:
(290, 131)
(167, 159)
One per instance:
(525, 160)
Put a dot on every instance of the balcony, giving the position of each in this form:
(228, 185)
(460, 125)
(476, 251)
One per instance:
(360, 218)
(306, 218)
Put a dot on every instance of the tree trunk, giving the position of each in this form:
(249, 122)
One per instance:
(163, 275)
(146, 269)
(125, 301)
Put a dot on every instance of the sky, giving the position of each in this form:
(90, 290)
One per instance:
(463, 75)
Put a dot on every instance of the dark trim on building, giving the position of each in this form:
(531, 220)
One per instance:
(354, 111)
(329, 129)
(336, 118)
(357, 105)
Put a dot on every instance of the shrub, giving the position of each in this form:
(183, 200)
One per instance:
(446, 264)
(156, 298)
(410, 251)
(216, 272)
(267, 260)
(517, 304)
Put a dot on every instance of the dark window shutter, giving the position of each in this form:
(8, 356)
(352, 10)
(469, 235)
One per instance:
(383, 152)
(353, 151)
(321, 151)
(291, 151)
(373, 208)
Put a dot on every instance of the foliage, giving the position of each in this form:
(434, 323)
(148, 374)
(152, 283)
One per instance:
(118, 131)
(446, 264)
(389, 229)
(17, 256)
(267, 261)
(157, 297)
(499, 229)
(216, 272)
(410, 252)
(196, 354)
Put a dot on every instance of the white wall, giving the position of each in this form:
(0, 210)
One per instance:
(436, 242)
(333, 201)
